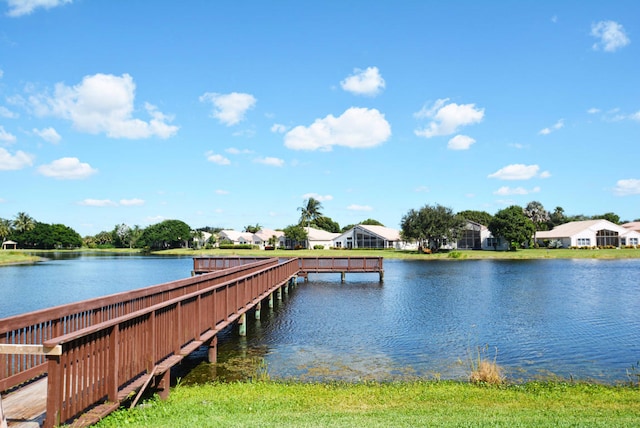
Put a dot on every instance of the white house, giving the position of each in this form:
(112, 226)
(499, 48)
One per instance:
(370, 236)
(476, 236)
(237, 238)
(261, 237)
(591, 233)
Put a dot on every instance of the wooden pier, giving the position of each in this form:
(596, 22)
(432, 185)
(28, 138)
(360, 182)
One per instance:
(76, 363)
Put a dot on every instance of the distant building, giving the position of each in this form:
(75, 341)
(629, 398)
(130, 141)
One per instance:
(591, 233)
(370, 236)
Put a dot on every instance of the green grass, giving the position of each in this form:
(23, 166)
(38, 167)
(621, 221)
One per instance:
(405, 404)
(414, 255)
(10, 257)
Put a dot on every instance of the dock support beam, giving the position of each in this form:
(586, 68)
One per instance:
(279, 293)
(258, 308)
(343, 276)
(243, 324)
(381, 275)
(212, 354)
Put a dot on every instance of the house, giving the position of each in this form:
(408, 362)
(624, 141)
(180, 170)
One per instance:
(370, 236)
(314, 237)
(262, 237)
(634, 225)
(236, 238)
(201, 238)
(590, 233)
(476, 236)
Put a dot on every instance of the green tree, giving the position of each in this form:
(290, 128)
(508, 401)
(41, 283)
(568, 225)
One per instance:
(121, 236)
(134, 235)
(23, 222)
(295, 236)
(44, 236)
(431, 226)
(369, 222)
(165, 235)
(612, 217)
(481, 217)
(310, 211)
(556, 218)
(326, 223)
(538, 215)
(6, 227)
(253, 229)
(513, 225)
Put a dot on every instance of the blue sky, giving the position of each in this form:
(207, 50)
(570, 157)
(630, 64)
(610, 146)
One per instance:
(232, 113)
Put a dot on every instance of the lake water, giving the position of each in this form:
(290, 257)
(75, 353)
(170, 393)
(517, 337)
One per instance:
(575, 319)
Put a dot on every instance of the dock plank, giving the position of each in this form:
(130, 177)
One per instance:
(26, 407)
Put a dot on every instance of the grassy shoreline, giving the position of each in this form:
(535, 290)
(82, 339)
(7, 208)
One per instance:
(10, 257)
(419, 403)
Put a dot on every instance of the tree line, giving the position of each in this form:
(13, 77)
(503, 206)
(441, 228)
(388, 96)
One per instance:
(430, 226)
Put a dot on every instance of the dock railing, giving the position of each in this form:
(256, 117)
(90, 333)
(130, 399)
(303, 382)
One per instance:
(37, 327)
(101, 364)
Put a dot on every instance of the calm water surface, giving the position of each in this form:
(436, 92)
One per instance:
(569, 318)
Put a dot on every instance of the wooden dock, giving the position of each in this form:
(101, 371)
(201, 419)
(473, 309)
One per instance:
(76, 363)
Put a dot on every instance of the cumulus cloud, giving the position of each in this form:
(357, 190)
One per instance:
(317, 197)
(216, 158)
(6, 113)
(355, 128)
(519, 172)
(221, 192)
(97, 203)
(626, 187)
(506, 191)
(103, 103)
(611, 36)
(6, 137)
(48, 134)
(26, 7)
(270, 161)
(67, 169)
(9, 162)
(229, 109)
(134, 202)
(460, 142)
(558, 125)
(447, 118)
(364, 82)
(235, 151)
(356, 207)
(278, 128)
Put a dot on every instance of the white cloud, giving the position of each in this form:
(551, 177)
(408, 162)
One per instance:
(355, 128)
(9, 162)
(229, 109)
(635, 116)
(134, 202)
(355, 207)
(279, 129)
(222, 192)
(270, 161)
(611, 36)
(421, 189)
(48, 134)
(506, 191)
(447, 118)
(593, 110)
(460, 142)
(364, 82)
(97, 203)
(234, 151)
(519, 172)
(6, 113)
(67, 169)
(558, 125)
(317, 197)
(629, 186)
(219, 159)
(6, 137)
(26, 7)
(103, 103)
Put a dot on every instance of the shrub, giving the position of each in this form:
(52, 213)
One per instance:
(456, 255)
(483, 370)
(318, 247)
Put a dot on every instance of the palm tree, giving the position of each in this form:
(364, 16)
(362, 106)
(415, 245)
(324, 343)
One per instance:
(309, 211)
(24, 222)
(5, 229)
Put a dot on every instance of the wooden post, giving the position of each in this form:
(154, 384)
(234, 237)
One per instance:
(212, 355)
(381, 275)
(243, 324)
(279, 293)
(271, 301)
(258, 308)
(343, 276)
